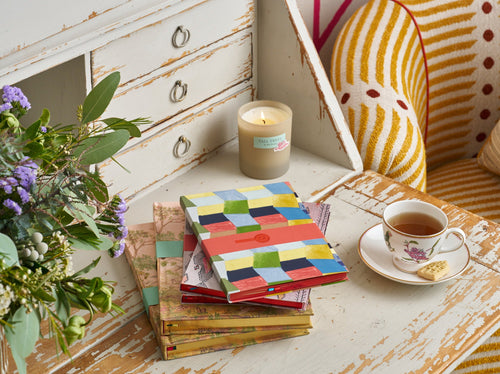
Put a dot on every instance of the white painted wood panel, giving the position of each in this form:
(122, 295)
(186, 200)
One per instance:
(51, 32)
(151, 47)
(205, 76)
(153, 160)
(290, 71)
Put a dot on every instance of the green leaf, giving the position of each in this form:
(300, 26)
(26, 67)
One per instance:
(99, 148)
(63, 307)
(22, 336)
(83, 213)
(97, 187)
(8, 250)
(33, 150)
(99, 98)
(45, 117)
(41, 294)
(86, 269)
(120, 123)
(31, 131)
(101, 244)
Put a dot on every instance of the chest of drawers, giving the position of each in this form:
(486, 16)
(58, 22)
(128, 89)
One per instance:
(188, 65)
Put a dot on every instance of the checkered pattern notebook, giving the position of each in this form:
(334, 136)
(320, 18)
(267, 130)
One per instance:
(260, 241)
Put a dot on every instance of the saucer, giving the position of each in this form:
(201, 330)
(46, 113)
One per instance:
(376, 256)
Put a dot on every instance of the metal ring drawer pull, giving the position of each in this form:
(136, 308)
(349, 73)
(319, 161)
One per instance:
(182, 141)
(181, 30)
(179, 92)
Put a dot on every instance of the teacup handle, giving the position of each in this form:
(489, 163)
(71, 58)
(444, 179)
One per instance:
(459, 233)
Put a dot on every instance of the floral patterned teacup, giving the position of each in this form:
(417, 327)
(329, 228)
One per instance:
(416, 231)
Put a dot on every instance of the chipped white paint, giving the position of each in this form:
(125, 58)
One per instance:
(157, 37)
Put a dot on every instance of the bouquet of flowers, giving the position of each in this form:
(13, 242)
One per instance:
(53, 202)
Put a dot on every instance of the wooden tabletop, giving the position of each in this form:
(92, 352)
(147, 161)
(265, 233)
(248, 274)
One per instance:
(365, 325)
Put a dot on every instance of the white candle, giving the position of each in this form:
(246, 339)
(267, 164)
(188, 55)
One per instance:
(264, 133)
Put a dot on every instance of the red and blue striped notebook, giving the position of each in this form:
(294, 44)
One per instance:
(260, 241)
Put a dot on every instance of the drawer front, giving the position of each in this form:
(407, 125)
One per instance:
(162, 43)
(154, 159)
(174, 91)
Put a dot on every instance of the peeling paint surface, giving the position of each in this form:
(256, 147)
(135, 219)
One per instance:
(368, 324)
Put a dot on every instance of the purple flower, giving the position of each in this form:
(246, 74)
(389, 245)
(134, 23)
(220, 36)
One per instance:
(5, 107)
(8, 203)
(23, 194)
(43, 129)
(416, 254)
(7, 183)
(123, 232)
(12, 94)
(117, 249)
(26, 173)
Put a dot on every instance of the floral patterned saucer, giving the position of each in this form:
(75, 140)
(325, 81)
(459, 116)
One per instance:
(374, 253)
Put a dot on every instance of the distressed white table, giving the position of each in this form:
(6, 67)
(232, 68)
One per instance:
(367, 325)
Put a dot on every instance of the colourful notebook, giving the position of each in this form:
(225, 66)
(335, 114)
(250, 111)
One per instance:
(200, 278)
(140, 253)
(260, 241)
(174, 239)
(178, 318)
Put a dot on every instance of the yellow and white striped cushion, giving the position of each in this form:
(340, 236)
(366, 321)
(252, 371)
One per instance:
(485, 360)
(466, 185)
(489, 156)
(378, 77)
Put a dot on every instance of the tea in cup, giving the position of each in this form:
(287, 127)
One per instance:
(416, 231)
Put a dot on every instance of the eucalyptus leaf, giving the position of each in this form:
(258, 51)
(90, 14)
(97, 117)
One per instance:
(45, 117)
(87, 268)
(41, 294)
(8, 250)
(97, 187)
(32, 130)
(83, 213)
(33, 149)
(98, 99)
(63, 307)
(22, 336)
(99, 148)
(120, 123)
(102, 244)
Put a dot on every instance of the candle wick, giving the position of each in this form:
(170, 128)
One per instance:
(263, 121)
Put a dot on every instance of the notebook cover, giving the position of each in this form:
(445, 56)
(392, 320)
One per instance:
(199, 277)
(260, 241)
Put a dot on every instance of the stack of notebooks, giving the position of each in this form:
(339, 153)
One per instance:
(231, 268)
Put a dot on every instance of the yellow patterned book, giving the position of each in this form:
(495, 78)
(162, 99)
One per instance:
(184, 345)
(140, 253)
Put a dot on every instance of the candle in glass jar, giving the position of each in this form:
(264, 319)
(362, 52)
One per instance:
(264, 134)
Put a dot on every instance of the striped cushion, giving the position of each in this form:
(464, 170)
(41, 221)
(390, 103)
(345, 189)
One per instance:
(485, 360)
(383, 99)
(478, 190)
(489, 156)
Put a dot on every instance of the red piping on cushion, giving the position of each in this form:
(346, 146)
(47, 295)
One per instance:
(320, 40)
(425, 65)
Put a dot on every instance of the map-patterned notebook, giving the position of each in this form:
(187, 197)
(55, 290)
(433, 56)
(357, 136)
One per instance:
(140, 253)
(260, 241)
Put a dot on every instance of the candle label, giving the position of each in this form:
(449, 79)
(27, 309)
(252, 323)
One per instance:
(277, 143)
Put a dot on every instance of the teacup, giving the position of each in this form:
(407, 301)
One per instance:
(416, 231)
